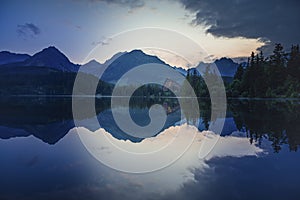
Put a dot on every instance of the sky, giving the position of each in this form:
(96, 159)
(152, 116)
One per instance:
(232, 28)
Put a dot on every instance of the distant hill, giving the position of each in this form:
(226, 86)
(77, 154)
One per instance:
(7, 57)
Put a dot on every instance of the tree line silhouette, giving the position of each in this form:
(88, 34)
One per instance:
(275, 76)
(266, 77)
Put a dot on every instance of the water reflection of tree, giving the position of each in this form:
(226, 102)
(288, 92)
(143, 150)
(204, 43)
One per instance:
(192, 116)
(278, 121)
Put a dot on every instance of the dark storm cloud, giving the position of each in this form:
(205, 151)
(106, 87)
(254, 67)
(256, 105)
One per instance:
(28, 29)
(242, 178)
(129, 3)
(274, 20)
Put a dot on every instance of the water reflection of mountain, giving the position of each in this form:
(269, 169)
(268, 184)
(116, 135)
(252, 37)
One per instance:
(48, 133)
(50, 119)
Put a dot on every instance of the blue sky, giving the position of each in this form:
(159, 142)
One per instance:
(77, 26)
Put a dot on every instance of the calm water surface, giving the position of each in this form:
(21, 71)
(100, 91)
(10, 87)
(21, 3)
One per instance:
(42, 156)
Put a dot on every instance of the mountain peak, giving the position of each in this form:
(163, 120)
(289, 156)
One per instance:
(224, 59)
(6, 52)
(92, 62)
(51, 47)
(52, 50)
(226, 66)
(125, 62)
(136, 51)
(53, 58)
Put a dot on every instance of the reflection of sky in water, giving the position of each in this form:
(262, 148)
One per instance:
(173, 176)
(30, 166)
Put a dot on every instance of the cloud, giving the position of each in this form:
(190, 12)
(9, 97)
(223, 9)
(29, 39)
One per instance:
(129, 3)
(171, 178)
(274, 20)
(104, 42)
(28, 30)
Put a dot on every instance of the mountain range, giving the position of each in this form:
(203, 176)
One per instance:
(50, 72)
(49, 57)
(52, 59)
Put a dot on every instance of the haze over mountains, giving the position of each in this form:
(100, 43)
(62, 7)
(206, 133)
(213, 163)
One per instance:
(120, 63)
